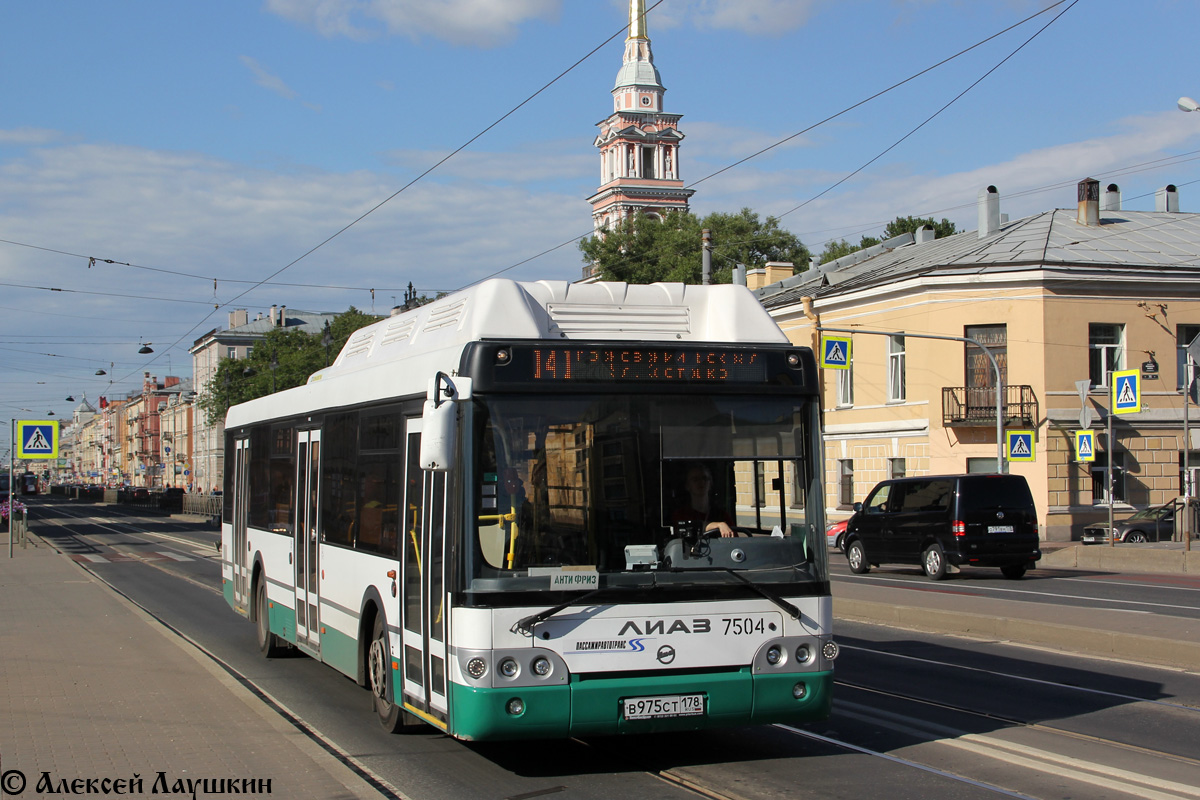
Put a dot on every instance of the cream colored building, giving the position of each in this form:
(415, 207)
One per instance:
(1059, 297)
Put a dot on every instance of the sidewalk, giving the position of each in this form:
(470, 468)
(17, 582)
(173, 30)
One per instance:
(1144, 638)
(93, 689)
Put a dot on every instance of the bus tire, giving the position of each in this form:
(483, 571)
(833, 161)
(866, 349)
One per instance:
(268, 643)
(391, 716)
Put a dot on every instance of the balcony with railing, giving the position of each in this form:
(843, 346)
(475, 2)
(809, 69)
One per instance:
(972, 406)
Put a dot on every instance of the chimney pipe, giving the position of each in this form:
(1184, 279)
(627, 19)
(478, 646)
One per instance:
(1112, 198)
(989, 211)
(274, 315)
(1088, 212)
(1167, 198)
(282, 316)
(925, 234)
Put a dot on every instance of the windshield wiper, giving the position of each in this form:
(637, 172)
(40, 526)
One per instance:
(525, 624)
(792, 611)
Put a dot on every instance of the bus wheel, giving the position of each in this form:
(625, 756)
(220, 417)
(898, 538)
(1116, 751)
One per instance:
(379, 671)
(268, 643)
(933, 561)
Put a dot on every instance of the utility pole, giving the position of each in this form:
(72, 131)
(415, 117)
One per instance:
(706, 257)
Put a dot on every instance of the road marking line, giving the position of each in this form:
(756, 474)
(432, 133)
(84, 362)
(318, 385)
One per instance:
(1023, 755)
(1074, 768)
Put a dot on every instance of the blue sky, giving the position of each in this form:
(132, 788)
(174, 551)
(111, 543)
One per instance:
(226, 139)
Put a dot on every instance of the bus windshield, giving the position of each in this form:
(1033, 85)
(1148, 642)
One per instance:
(619, 490)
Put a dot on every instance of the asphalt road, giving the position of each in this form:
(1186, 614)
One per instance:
(1164, 595)
(915, 715)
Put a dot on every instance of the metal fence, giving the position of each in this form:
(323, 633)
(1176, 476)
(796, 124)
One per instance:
(203, 505)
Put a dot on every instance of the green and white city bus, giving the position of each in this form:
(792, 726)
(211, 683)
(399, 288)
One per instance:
(533, 510)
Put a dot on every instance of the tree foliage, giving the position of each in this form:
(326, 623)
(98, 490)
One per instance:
(645, 249)
(294, 354)
(900, 225)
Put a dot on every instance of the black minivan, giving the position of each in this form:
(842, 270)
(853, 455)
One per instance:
(938, 520)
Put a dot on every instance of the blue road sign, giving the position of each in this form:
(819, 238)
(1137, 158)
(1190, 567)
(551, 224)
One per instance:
(37, 438)
(1085, 445)
(1127, 392)
(835, 352)
(1020, 445)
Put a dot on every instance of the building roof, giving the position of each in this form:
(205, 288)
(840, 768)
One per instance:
(307, 321)
(1124, 241)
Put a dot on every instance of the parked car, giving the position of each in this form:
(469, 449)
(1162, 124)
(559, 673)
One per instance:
(941, 520)
(835, 535)
(1155, 524)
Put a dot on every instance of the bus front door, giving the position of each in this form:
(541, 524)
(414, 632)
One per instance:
(423, 609)
(240, 557)
(308, 601)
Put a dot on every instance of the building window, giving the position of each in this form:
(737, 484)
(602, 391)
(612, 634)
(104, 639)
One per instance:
(1100, 478)
(897, 468)
(231, 352)
(845, 387)
(896, 382)
(1184, 334)
(1106, 352)
(845, 482)
(648, 162)
(979, 372)
(982, 466)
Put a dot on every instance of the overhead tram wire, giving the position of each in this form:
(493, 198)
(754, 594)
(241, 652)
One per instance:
(935, 114)
(256, 284)
(830, 118)
(403, 188)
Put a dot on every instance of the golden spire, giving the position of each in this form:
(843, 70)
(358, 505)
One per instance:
(637, 20)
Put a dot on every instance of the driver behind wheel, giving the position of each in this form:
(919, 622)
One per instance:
(698, 505)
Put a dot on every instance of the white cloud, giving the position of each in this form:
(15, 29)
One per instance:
(28, 136)
(192, 213)
(267, 80)
(754, 17)
(483, 23)
(1031, 182)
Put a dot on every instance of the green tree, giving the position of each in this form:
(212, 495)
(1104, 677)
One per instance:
(644, 249)
(282, 359)
(900, 225)
(835, 250)
(910, 224)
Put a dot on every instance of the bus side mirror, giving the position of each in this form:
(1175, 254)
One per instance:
(439, 432)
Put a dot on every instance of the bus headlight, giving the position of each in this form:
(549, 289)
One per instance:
(509, 668)
(803, 654)
(830, 650)
(774, 655)
(799, 691)
(476, 668)
(541, 666)
(515, 707)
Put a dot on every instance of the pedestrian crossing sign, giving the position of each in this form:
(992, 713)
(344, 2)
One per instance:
(1020, 445)
(37, 438)
(1127, 391)
(1085, 445)
(835, 352)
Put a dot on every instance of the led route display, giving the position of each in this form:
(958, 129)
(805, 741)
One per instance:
(637, 364)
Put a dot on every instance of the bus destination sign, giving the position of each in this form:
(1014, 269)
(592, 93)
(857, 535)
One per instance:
(610, 364)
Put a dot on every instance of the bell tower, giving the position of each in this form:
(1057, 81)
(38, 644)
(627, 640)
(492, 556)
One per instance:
(638, 142)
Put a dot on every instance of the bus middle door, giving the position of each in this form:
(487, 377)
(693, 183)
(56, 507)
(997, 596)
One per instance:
(308, 600)
(422, 608)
